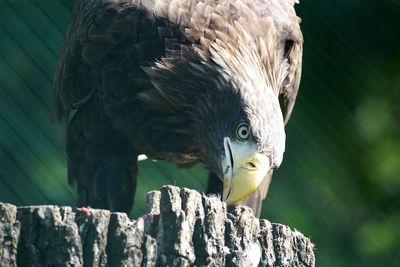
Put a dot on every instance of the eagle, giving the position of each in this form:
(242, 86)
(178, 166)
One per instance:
(186, 81)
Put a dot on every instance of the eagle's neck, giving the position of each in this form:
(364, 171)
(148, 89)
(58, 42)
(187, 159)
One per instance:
(257, 71)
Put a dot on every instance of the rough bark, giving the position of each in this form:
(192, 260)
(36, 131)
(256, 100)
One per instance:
(180, 228)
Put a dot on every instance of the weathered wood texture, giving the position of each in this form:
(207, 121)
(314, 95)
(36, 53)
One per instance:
(181, 228)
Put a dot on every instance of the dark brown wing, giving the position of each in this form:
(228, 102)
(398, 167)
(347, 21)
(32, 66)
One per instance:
(106, 43)
(96, 27)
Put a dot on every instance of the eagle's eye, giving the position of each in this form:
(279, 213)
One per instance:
(243, 131)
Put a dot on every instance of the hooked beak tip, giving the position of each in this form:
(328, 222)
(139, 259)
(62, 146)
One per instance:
(245, 176)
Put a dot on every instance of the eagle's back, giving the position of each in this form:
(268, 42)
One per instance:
(115, 36)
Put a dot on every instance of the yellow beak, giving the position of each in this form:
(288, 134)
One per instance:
(244, 169)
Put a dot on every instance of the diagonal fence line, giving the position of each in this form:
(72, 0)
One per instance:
(22, 108)
(27, 84)
(28, 55)
(12, 191)
(24, 173)
(61, 31)
(33, 152)
(30, 118)
(28, 25)
(342, 39)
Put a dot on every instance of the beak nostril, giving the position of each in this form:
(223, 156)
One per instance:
(251, 165)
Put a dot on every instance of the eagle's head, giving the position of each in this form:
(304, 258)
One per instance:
(236, 82)
(242, 140)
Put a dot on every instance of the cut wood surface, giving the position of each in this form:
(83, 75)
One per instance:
(181, 227)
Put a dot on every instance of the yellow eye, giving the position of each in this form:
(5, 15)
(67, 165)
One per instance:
(243, 132)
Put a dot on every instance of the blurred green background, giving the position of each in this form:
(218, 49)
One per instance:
(340, 180)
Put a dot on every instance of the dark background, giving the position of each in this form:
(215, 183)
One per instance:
(340, 180)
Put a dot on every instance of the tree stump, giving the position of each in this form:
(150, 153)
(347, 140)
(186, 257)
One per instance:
(180, 228)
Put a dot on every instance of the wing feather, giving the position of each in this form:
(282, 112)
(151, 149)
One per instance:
(288, 94)
(96, 29)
